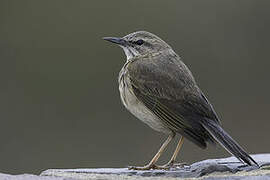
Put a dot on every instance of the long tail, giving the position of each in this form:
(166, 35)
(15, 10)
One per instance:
(227, 141)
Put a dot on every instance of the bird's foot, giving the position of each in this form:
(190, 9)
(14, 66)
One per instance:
(167, 166)
(147, 167)
(170, 165)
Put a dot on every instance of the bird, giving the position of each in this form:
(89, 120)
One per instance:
(159, 89)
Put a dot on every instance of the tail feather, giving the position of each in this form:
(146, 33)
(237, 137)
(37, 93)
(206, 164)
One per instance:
(227, 142)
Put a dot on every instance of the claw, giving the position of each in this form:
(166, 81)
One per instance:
(147, 167)
(180, 165)
(153, 166)
(173, 165)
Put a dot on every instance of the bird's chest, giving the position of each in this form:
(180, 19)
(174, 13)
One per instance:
(128, 98)
(136, 107)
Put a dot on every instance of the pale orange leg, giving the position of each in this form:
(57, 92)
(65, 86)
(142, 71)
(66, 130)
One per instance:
(151, 164)
(172, 161)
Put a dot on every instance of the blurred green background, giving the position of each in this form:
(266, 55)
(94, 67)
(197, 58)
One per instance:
(59, 100)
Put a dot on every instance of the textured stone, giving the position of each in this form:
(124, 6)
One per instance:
(31, 177)
(218, 168)
(213, 169)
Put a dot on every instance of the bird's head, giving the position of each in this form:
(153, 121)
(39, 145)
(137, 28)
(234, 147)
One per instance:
(139, 43)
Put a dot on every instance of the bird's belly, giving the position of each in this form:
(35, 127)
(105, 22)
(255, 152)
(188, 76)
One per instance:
(139, 110)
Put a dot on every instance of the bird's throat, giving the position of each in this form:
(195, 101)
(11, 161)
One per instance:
(130, 52)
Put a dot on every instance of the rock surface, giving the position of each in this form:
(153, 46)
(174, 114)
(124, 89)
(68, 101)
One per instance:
(227, 168)
(213, 169)
(31, 177)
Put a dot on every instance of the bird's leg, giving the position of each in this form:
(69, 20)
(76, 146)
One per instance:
(172, 161)
(151, 164)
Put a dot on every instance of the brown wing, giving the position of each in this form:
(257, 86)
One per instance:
(167, 88)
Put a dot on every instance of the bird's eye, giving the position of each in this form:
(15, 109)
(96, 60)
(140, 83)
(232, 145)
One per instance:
(139, 42)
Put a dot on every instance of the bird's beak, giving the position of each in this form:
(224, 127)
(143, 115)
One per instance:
(116, 40)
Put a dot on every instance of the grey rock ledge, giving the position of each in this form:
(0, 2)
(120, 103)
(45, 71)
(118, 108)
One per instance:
(208, 169)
